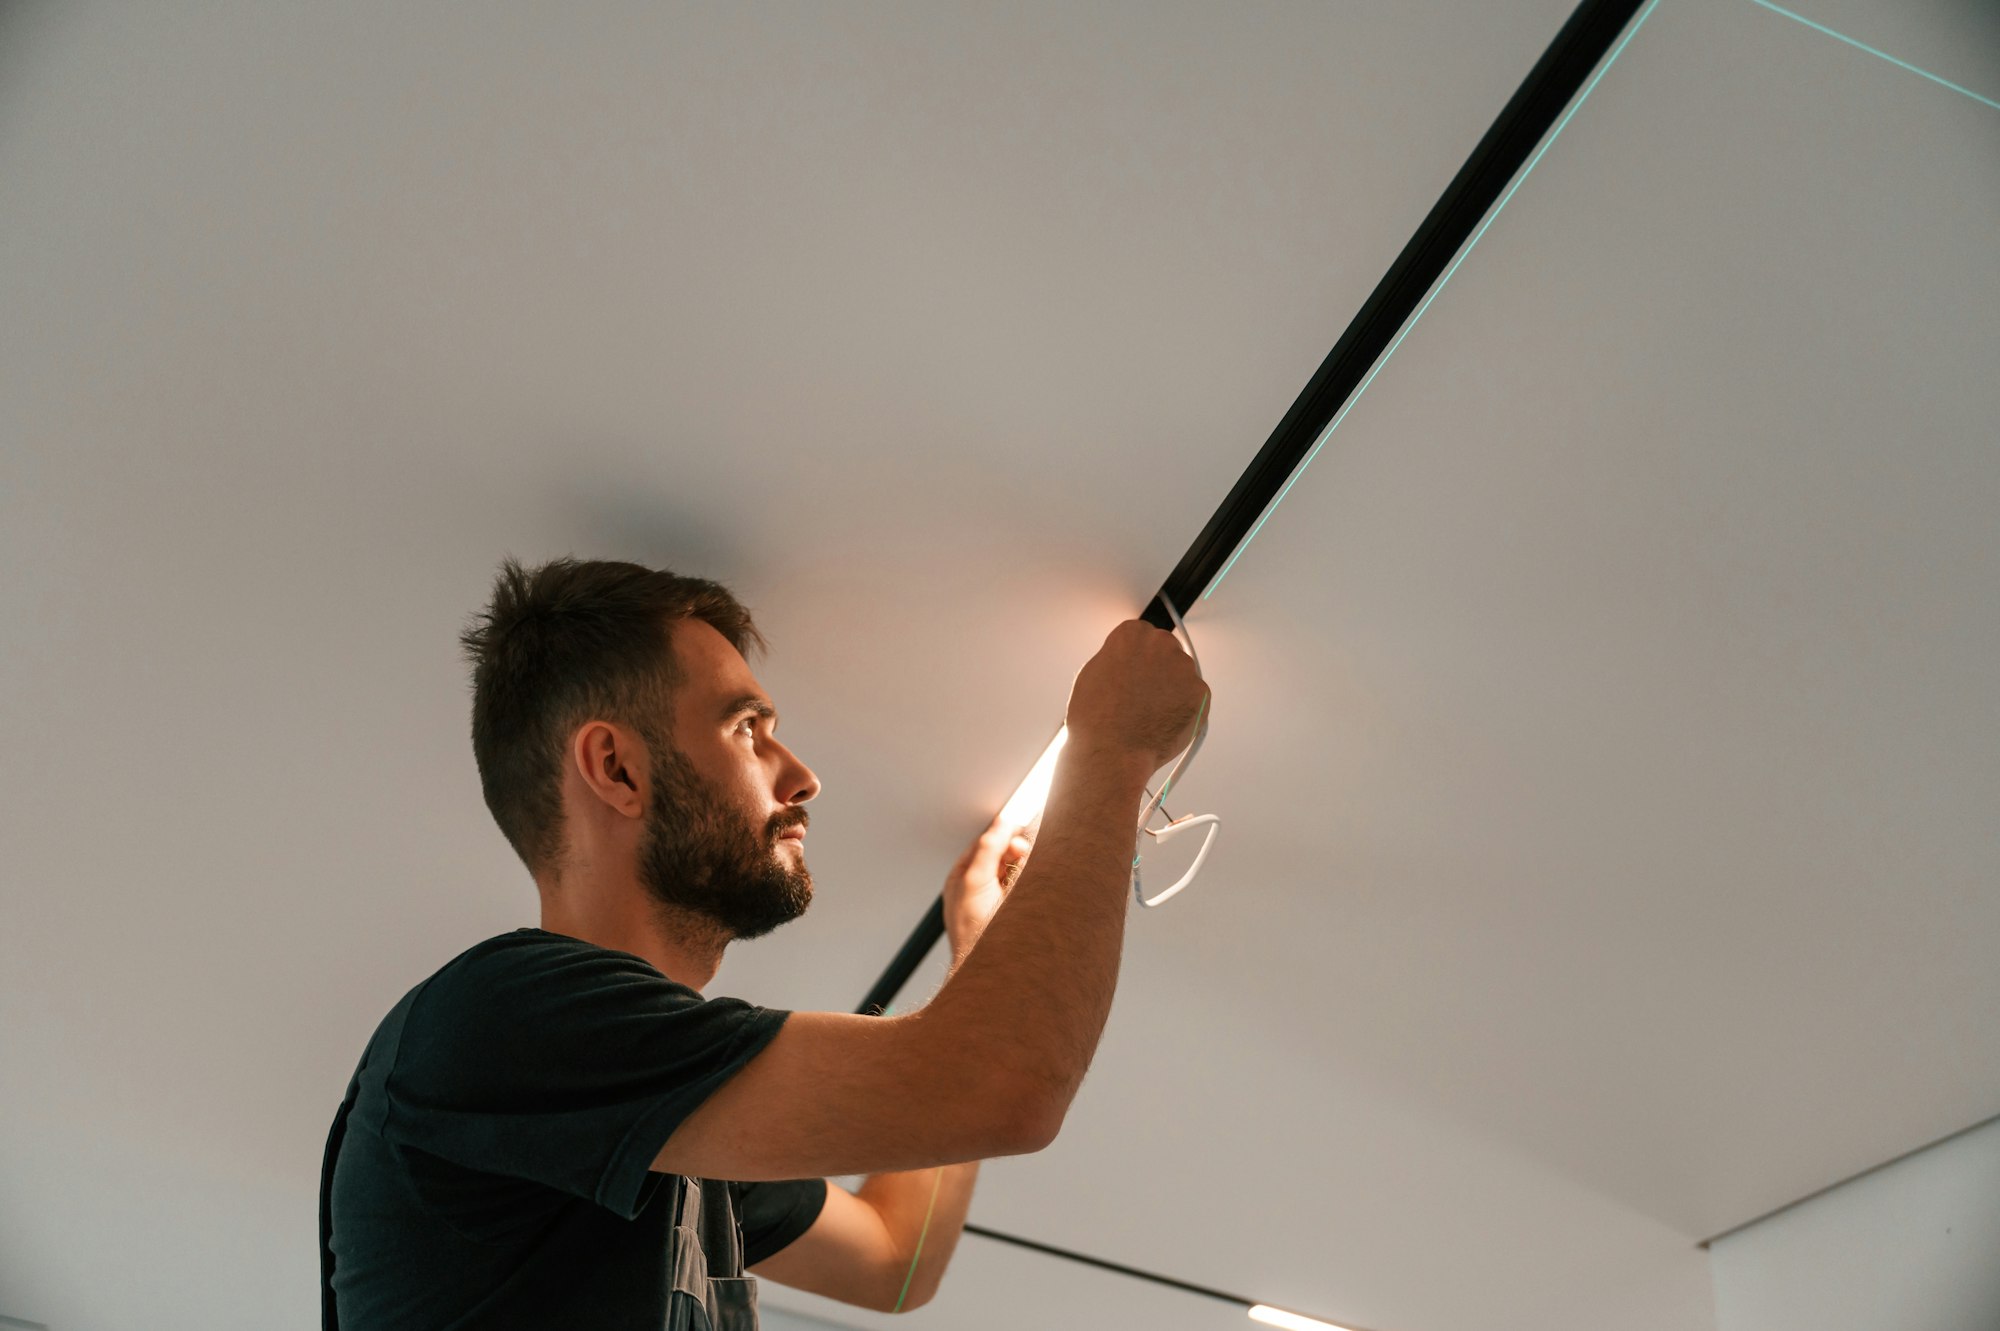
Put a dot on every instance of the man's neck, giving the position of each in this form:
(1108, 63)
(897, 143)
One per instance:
(684, 947)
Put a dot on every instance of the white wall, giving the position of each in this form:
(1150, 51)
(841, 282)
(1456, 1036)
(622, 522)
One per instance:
(1912, 1247)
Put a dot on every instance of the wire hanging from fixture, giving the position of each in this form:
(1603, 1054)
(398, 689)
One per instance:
(1177, 825)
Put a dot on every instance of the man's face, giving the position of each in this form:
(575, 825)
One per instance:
(724, 793)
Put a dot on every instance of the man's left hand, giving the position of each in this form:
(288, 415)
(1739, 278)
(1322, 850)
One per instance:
(979, 882)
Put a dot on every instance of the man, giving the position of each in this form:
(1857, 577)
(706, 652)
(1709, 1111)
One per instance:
(556, 1129)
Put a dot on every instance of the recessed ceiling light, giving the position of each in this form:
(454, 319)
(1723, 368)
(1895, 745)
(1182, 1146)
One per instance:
(1292, 1321)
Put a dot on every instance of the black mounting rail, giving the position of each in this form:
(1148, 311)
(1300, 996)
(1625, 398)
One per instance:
(1556, 78)
(1521, 124)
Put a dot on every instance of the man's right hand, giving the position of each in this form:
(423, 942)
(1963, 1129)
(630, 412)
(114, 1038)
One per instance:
(1140, 695)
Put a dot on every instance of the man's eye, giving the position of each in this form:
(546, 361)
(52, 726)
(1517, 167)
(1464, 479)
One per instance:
(747, 721)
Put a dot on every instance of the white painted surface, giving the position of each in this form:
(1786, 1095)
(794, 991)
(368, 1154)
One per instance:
(1601, 801)
(1913, 1247)
(1622, 742)
(935, 331)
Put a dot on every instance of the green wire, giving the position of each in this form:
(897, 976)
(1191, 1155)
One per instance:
(920, 1242)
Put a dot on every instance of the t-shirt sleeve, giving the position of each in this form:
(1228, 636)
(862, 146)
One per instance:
(566, 1064)
(773, 1215)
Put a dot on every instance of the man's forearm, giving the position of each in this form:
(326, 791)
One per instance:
(1034, 992)
(902, 1199)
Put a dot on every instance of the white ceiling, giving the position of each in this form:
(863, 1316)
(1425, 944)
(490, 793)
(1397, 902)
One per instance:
(1599, 731)
(1640, 619)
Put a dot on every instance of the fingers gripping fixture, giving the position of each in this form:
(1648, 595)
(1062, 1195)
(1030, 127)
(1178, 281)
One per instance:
(1178, 825)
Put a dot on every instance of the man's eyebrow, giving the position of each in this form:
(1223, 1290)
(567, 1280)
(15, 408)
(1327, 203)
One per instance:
(749, 702)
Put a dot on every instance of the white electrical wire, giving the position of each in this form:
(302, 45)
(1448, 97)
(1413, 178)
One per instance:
(1178, 825)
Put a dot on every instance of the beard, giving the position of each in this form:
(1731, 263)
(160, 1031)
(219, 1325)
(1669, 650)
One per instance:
(703, 857)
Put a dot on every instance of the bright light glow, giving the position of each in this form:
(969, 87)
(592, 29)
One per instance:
(1279, 1317)
(1026, 804)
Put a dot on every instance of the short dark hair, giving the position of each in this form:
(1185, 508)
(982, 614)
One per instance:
(570, 642)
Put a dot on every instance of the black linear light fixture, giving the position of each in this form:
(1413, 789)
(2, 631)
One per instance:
(1508, 148)
(1522, 124)
(1261, 1312)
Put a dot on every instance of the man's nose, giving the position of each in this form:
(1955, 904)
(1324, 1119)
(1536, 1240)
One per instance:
(798, 783)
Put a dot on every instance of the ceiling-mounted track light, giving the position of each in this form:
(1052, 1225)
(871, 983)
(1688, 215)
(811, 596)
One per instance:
(1593, 36)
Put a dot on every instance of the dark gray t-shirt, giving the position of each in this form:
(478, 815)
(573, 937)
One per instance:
(490, 1167)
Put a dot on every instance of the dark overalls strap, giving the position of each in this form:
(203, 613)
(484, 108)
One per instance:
(708, 1287)
(329, 1317)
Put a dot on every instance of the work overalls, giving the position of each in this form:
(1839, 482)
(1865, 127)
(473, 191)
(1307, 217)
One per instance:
(710, 1290)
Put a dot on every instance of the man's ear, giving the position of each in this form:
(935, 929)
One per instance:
(612, 765)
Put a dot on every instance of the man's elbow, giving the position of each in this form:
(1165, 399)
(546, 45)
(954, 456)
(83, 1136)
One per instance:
(1040, 1129)
(901, 1294)
(916, 1300)
(1004, 1129)
(1035, 1117)
(1039, 1122)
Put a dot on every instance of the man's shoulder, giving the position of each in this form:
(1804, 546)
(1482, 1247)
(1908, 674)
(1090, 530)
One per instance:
(532, 978)
(531, 1006)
